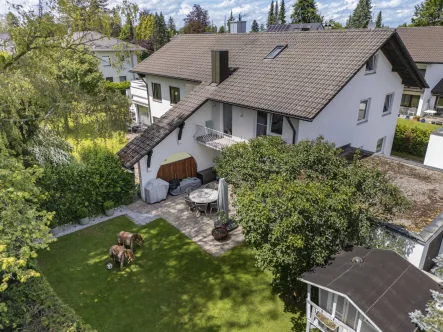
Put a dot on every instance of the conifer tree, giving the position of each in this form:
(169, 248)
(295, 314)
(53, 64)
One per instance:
(254, 27)
(276, 13)
(282, 13)
(305, 11)
(271, 17)
(361, 16)
(171, 27)
(221, 29)
(379, 22)
(262, 27)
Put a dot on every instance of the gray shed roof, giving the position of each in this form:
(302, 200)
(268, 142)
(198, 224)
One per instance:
(299, 82)
(380, 286)
(438, 88)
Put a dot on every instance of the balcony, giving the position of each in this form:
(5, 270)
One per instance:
(323, 320)
(215, 139)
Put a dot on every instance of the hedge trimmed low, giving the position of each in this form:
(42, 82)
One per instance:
(411, 139)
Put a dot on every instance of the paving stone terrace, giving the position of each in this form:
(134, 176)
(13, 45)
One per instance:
(197, 228)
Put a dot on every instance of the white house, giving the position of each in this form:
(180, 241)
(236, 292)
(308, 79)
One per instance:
(209, 91)
(366, 290)
(425, 44)
(116, 57)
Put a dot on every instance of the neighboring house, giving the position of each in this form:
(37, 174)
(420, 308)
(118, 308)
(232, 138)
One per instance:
(117, 57)
(425, 44)
(434, 152)
(344, 85)
(366, 290)
(6, 44)
(295, 27)
(416, 233)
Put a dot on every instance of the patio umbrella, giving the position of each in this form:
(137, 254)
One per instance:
(223, 203)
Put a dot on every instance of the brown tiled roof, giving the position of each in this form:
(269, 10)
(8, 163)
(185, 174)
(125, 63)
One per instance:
(438, 89)
(425, 44)
(299, 82)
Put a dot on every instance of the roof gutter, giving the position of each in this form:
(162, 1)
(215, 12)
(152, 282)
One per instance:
(166, 76)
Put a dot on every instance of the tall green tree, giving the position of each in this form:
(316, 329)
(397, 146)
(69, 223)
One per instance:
(305, 11)
(282, 13)
(160, 33)
(254, 26)
(379, 21)
(299, 204)
(276, 13)
(361, 15)
(130, 12)
(428, 13)
(171, 27)
(271, 15)
(24, 225)
(197, 20)
(221, 29)
(230, 19)
(262, 27)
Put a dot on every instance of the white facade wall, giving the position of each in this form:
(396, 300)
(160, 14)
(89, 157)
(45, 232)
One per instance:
(170, 145)
(434, 73)
(160, 108)
(109, 71)
(338, 121)
(434, 153)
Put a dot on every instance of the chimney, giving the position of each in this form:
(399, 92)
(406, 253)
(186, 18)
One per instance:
(220, 66)
(238, 26)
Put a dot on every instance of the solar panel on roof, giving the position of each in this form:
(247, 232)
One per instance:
(279, 27)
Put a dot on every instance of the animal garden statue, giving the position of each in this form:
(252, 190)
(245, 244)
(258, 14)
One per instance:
(120, 253)
(127, 239)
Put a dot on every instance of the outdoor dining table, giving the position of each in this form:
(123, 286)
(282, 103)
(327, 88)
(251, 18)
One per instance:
(203, 196)
(430, 113)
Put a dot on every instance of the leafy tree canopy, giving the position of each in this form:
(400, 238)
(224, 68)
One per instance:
(428, 13)
(299, 204)
(305, 11)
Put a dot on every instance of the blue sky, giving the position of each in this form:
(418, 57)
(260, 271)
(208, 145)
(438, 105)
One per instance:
(395, 12)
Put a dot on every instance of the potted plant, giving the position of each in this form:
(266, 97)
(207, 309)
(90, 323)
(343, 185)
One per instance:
(108, 206)
(328, 323)
(82, 214)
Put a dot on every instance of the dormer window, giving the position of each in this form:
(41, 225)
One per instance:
(371, 65)
(276, 51)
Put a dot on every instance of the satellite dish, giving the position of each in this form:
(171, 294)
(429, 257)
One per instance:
(372, 25)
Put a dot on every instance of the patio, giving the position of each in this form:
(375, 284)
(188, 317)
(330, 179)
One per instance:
(196, 228)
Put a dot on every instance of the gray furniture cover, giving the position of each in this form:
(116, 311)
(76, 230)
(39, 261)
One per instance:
(156, 191)
(185, 184)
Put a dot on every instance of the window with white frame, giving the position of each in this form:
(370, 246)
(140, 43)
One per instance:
(122, 78)
(262, 124)
(380, 145)
(363, 110)
(371, 65)
(387, 107)
(106, 61)
(269, 124)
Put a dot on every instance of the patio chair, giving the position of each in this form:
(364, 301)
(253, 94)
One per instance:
(412, 111)
(189, 190)
(213, 207)
(212, 185)
(201, 208)
(190, 204)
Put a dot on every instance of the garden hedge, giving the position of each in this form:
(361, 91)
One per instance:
(412, 140)
(89, 182)
(33, 306)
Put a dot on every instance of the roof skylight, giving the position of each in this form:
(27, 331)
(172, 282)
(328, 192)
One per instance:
(276, 51)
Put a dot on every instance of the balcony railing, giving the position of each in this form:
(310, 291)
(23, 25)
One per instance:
(215, 139)
(317, 323)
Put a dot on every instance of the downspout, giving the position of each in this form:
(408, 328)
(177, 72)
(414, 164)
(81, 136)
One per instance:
(293, 129)
(147, 95)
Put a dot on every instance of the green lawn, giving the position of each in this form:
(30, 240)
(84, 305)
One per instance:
(172, 286)
(411, 123)
(408, 156)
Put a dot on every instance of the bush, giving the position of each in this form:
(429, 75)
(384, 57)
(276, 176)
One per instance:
(122, 86)
(34, 306)
(82, 213)
(108, 205)
(413, 140)
(89, 182)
